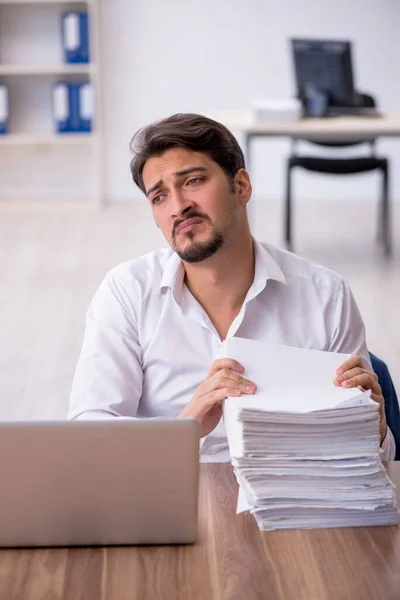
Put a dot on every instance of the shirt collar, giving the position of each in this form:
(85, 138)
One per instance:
(265, 268)
(173, 274)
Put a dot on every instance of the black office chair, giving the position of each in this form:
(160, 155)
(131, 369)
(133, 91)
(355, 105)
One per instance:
(343, 166)
(392, 409)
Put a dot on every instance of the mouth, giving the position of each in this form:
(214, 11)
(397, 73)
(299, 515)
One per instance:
(188, 225)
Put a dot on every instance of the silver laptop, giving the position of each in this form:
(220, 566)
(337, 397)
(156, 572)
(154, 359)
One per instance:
(106, 482)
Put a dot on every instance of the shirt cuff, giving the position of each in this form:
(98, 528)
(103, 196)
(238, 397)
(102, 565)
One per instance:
(388, 446)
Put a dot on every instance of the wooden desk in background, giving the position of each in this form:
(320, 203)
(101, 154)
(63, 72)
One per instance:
(231, 560)
(334, 129)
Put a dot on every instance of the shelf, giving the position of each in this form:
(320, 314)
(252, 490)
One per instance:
(8, 2)
(31, 62)
(44, 139)
(34, 203)
(38, 69)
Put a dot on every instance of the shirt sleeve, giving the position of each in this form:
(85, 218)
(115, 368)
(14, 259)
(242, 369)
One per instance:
(349, 337)
(348, 331)
(108, 378)
(388, 446)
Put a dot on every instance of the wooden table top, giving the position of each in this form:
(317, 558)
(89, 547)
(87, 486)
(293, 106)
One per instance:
(337, 128)
(231, 560)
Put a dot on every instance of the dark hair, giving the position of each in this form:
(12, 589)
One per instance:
(189, 131)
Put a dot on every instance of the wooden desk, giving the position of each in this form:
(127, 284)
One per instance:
(335, 129)
(232, 560)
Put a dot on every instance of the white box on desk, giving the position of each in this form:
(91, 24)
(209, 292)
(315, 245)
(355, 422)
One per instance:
(289, 109)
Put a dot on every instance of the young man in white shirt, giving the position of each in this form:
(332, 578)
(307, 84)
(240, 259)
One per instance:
(155, 324)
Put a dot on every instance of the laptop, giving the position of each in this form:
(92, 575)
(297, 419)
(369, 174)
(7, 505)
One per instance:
(99, 483)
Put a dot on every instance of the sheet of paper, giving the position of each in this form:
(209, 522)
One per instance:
(298, 414)
(242, 503)
(289, 379)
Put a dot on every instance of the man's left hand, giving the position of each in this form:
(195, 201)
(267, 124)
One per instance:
(352, 374)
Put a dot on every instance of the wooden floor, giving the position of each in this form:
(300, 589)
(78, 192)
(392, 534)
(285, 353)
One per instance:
(51, 262)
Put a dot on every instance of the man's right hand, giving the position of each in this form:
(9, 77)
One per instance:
(223, 380)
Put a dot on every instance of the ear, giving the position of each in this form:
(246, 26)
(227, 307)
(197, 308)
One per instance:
(243, 186)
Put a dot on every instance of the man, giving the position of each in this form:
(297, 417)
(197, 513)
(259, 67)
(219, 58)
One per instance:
(155, 324)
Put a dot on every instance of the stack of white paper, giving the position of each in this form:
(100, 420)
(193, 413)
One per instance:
(279, 109)
(306, 453)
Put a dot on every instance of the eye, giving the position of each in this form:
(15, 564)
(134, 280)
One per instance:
(195, 180)
(157, 199)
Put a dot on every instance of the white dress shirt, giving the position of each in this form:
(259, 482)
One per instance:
(149, 344)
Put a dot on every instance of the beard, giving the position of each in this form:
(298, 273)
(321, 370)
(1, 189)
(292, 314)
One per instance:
(195, 252)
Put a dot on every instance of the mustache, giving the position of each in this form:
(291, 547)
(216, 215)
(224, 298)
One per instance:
(194, 214)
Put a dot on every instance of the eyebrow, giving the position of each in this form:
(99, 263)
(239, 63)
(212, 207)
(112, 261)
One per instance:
(176, 174)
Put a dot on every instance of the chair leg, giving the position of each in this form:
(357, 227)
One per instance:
(379, 231)
(384, 220)
(288, 208)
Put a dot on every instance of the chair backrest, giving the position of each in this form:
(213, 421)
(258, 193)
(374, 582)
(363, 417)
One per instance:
(392, 409)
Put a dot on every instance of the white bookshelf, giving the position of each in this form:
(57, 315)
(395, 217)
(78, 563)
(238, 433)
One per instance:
(32, 153)
(44, 1)
(43, 69)
(43, 139)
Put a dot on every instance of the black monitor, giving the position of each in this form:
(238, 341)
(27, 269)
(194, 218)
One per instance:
(324, 68)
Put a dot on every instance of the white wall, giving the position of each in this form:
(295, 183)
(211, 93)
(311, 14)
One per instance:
(167, 56)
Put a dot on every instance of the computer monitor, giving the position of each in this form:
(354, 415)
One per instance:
(324, 68)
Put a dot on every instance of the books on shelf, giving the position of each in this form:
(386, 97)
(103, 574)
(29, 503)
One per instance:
(3, 109)
(306, 454)
(75, 37)
(73, 107)
(73, 102)
(47, 121)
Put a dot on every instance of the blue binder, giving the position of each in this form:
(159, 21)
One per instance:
(3, 109)
(73, 107)
(74, 103)
(81, 107)
(62, 108)
(75, 37)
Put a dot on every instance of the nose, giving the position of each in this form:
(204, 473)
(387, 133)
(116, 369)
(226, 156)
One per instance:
(180, 204)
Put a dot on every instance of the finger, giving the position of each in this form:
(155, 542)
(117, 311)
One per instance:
(231, 380)
(376, 398)
(232, 376)
(236, 378)
(348, 375)
(225, 363)
(352, 362)
(366, 381)
(354, 372)
(217, 396)
(379, 399)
